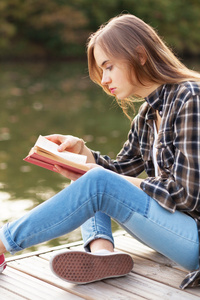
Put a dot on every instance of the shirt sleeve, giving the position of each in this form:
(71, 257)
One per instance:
(128, 161)
(179, 185)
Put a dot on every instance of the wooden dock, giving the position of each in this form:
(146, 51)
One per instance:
(153, 277)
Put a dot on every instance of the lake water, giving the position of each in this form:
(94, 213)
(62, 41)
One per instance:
(45, 98)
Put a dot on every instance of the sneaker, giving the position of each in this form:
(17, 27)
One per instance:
(83, 267)
(2, 263)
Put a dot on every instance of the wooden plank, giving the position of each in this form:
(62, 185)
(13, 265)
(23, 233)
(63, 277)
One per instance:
(156, 266)
(132, 246)
(9, 295)
(149, 289)
(147, 268)
(29, 254)
(161, 272)
(154, 276)
(119, 288)
(154, 271)
(92, 291)
(22, 286)
(137, 285)
(158, 272)
(48, 255)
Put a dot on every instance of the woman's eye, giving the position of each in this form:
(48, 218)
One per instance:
(109, 68)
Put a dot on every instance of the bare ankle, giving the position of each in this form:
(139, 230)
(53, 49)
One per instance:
(100, 244)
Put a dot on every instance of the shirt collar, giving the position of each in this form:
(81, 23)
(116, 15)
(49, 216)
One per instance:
(156, 99)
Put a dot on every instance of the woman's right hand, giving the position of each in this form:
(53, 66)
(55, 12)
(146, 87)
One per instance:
(74, 145)
(67, 142)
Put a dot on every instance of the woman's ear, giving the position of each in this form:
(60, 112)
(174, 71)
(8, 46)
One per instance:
(142, 55)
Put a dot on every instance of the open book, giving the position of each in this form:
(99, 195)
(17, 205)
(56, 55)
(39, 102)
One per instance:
(45, 154)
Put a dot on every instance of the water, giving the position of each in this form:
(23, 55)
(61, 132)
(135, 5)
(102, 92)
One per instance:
(39, 98)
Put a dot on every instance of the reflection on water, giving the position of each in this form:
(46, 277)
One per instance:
(10, 210)
(44, 99)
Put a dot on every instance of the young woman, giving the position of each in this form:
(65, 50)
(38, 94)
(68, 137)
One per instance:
(128, 59)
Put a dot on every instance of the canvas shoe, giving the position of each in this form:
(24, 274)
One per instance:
(81, 267)
(2, 263)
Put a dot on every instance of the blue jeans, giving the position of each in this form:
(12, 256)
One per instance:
(92, 200)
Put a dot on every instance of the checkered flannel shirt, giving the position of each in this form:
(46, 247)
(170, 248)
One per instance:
(178, 152)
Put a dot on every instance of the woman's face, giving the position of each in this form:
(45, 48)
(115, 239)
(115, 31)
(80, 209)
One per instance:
(115, 76)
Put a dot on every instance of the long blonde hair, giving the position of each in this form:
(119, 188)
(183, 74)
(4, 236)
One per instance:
(123, 37)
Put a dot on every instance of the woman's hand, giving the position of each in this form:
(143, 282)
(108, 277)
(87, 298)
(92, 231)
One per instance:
(74, 145)
(67, 142)
(71, 175)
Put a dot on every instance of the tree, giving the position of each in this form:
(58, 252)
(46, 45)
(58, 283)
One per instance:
(41, 28)
(59, 28)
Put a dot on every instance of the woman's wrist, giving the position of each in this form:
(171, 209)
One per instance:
(82, 146)
(84, 150)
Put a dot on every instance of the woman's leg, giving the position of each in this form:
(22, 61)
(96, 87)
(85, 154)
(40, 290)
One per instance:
(173, 235)
(105, 191)
(95, 229)
(97, 190)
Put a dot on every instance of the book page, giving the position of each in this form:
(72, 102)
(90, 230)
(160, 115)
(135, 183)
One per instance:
(47, 145)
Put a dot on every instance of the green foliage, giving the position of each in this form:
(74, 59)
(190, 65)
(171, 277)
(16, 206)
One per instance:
(59, 28)
(39, 28)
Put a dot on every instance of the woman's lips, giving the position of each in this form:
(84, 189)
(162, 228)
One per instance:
(112, 90)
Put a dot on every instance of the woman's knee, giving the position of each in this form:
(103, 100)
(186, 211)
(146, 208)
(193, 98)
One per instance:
(98, 175)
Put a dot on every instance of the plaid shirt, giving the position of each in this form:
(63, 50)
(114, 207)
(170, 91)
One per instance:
(178, 152)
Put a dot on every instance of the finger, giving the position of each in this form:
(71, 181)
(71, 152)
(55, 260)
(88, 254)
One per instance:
(64, 141)
(55, 138)
(69, 144)
(67, 173)
(66, 144)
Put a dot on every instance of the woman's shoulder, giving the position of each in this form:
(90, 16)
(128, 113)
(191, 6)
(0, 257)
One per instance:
(192, 87)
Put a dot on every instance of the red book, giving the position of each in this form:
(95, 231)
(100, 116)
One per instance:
(45, 154)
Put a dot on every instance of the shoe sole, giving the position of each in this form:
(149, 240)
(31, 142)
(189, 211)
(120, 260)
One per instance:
(82, 267)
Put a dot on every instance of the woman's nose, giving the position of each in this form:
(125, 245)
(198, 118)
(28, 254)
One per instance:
(105, 80)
